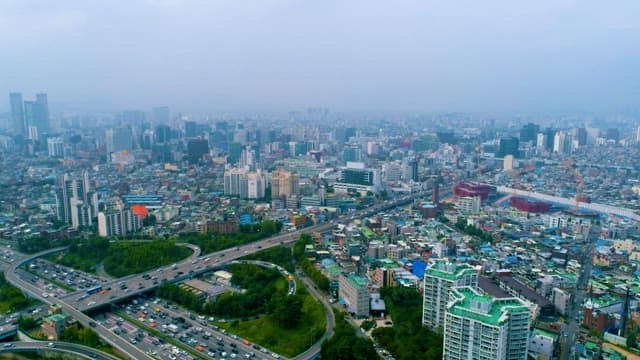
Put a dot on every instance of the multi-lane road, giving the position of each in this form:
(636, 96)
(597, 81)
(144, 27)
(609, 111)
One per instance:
(57, 347)
(74, 304)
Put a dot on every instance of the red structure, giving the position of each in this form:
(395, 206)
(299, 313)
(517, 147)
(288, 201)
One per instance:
(472, 189)
(529, 205)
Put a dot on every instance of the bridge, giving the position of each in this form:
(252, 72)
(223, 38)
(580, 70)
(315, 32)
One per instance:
(600, 208)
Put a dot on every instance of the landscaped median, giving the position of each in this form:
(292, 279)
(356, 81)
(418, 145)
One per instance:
(269, 332)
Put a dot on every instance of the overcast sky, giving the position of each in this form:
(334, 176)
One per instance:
(368, 55)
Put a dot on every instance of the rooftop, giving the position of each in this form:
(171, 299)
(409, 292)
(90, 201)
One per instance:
(483, 308)
(449, 270)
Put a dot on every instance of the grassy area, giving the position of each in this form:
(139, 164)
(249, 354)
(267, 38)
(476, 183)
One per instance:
(265, 331)
(160, 335)
(11, 298)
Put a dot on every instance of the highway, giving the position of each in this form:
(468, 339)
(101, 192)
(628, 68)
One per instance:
(74, 304)
(120, 344)
(58, 347)
(125, 287)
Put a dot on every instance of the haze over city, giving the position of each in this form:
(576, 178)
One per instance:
(334, 180)
(362, 56)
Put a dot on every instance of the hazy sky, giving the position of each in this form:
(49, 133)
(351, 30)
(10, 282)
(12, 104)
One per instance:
(396, 55)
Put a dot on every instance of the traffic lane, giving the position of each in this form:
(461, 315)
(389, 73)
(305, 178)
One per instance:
(56, 346)
(214, 331)
(205, 327)
(86, 321)
(142, 339)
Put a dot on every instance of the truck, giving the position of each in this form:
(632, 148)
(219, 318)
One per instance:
(173, 328)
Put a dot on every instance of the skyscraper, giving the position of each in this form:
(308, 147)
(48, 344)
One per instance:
(18, 125)
(528, 132)
(119, 139)
(42, 112)
(439, 278)
(481, 327)
(284, 183)
(509, 146)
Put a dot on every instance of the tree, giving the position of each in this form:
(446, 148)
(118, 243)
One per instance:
(287, 311)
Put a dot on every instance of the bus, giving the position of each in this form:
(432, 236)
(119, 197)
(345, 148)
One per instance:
(94, 289)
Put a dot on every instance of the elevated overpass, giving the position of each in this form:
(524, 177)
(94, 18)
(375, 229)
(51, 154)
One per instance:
(600, 208)
(56, 347)
(144, 282)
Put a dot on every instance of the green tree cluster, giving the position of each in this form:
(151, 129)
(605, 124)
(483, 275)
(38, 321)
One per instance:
(279, 255)
(26, 323)
(321, 281)
(75, 333)
(121, 258)
(11, 298)
(345, 344)
(407, 339)
(136, 257)
(212, 242)
(262, 294)
(36, 244)
(473, 231)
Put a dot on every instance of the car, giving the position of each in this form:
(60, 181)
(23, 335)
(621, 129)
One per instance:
(92, 324)
(8, 345)
(51, 345)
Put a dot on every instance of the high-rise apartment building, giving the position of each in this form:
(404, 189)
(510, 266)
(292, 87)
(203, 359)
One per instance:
(118, 222)
(55, 147)
(439, 278)
(284, 183)
(482, 327)
(76, 204)
(244, 183)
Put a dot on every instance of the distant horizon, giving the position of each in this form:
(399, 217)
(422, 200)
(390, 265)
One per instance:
(410, 56)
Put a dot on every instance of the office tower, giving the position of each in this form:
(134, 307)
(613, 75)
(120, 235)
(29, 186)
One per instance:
(42, 115)
(439, 278)
(482, 327)
(413, 167)
(356, 178)
(528, 132)
(132, 118)
(18, 125)
(581, 136)
(55, 147)
(163, 134)
(161, 115)
(284, 183)
(196, 149)
(118, 222)
(354, 290)
(119, 139)
(146, 141)
(235, 151)
(612, 134)
(352, 152)
(549, 134)
(509, 146)
(190, 129)
(638, 134)
(558, 142)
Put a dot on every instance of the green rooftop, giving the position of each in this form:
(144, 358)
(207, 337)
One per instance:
(542, 332)
(484, 308)
(449, 271)
(56, 318)
(357, 281)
